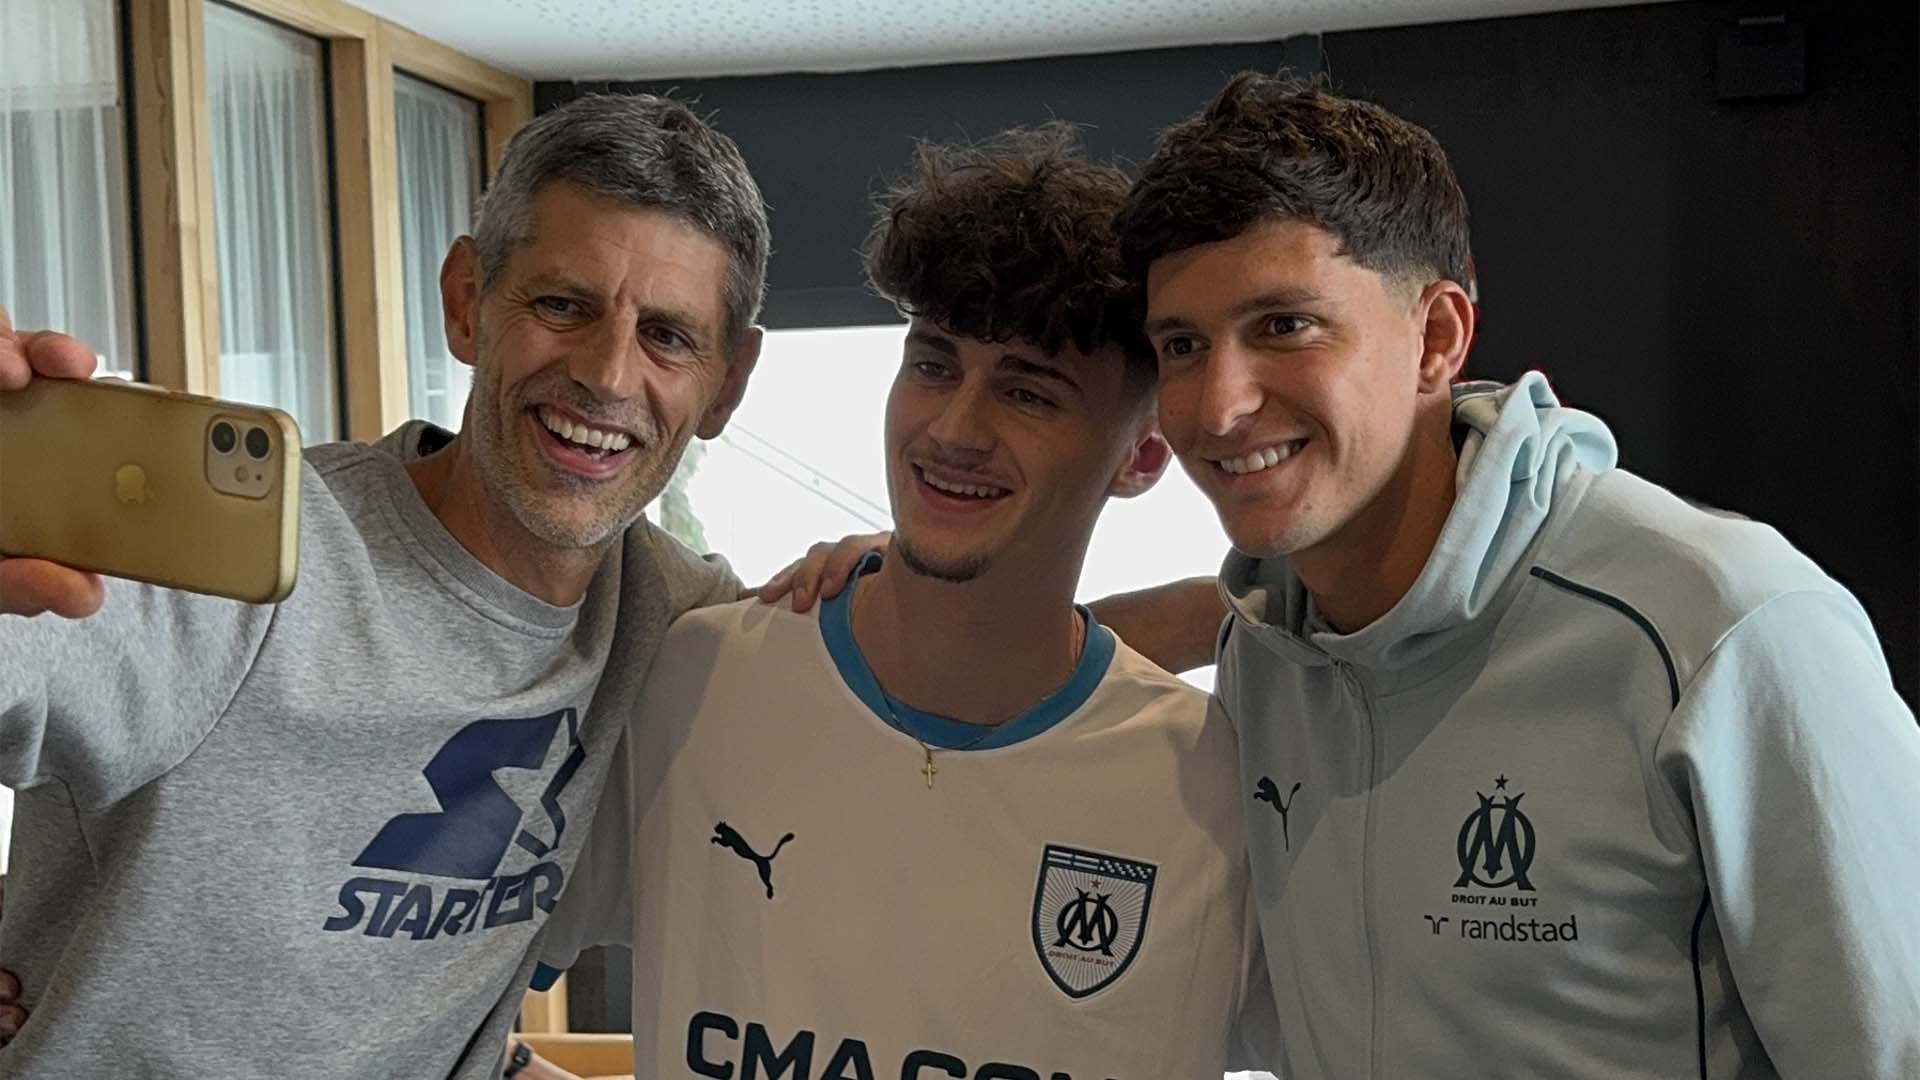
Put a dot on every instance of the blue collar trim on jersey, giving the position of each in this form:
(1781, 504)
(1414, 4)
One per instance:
(836, 628)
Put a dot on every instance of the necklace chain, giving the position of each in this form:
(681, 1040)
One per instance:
(893, 716)
(893, 719)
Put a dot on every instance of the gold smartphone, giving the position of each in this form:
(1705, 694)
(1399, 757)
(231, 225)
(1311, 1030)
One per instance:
(138, 482)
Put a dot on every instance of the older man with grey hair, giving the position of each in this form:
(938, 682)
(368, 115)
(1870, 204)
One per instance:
(319, 838)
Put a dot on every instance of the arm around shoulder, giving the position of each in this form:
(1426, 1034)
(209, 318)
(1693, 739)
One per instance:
(1174, 625)
(692, 580)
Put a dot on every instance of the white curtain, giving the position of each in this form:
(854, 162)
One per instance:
(272, 218)
(440, 170)
(65, 254)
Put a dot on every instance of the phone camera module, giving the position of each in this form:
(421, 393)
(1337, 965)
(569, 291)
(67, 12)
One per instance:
(257, 444)
(224, 437)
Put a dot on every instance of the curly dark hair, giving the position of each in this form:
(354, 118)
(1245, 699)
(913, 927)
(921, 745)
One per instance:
(1011, 237)
(1271, 146)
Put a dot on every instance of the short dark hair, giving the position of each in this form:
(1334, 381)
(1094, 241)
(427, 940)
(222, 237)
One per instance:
(645, 151)
(1011, 237)
(1272, 146)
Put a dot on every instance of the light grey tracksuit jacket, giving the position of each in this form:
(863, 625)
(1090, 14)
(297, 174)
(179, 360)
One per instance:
(1621, 788)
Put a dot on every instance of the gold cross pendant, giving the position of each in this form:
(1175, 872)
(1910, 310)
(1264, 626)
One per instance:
(929, 769)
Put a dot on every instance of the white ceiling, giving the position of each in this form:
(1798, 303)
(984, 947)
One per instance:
(655, 39)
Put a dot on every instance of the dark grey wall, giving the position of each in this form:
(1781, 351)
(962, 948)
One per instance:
(820, 145)
(1732, 286)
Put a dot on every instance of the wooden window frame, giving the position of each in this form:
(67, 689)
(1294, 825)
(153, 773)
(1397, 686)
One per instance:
(173, 180)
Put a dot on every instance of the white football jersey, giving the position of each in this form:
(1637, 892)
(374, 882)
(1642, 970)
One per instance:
(1064, 899)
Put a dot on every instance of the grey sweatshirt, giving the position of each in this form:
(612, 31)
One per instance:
(317, 839)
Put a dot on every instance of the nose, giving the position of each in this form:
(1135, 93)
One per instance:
(1229, 393)
(963, 424)
(609, 363)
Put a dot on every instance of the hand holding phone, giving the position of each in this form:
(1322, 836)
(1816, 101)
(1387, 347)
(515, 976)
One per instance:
(34, 586)
(137, 482)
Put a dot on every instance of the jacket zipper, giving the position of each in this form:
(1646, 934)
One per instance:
(1358, 688)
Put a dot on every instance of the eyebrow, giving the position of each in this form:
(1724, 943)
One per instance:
(1020, 365)
(1277, 298)
(560, 282)
(933, 341)
(685, 321)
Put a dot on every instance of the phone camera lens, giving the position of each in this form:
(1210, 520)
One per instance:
(257, 445)
(223, 437)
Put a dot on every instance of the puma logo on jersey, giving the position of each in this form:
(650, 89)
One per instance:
(1269, 792)
(725, 835)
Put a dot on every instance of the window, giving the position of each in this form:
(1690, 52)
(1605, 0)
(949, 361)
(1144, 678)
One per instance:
(440, 175)
(779, 479)
(65, 249)
(266, 95)
(776, 480)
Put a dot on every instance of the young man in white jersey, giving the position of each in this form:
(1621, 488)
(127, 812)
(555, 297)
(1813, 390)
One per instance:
(948, 825)
(1548, 772)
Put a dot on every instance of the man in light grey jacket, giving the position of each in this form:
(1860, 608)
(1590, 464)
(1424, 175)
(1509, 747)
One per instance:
(1547, 772)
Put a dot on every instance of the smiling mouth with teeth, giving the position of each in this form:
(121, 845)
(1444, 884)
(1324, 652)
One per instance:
(1261, 460)
(591, 441)
(965, 491)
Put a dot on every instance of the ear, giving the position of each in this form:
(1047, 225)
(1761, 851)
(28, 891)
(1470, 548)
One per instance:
(739, 367)
(460, 275)
(1447, 330)
(1146, 462)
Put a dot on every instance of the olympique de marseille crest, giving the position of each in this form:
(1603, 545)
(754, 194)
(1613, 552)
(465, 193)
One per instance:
(1089, 916)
